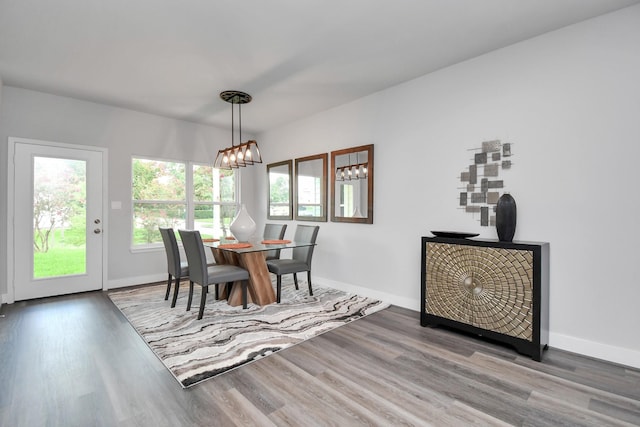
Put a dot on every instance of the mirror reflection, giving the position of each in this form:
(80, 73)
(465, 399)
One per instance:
(311, 188)
(352, 185)
(280, 205)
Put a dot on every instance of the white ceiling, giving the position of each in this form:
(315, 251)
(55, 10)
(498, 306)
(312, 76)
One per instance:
(295, 57)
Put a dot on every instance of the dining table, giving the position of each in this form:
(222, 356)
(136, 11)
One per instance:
(252, 257)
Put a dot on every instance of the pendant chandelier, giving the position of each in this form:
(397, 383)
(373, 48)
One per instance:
(353, 171)
(245, 153)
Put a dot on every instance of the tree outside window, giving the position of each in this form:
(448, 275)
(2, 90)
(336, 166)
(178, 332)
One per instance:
(214, 199)
(180, 195)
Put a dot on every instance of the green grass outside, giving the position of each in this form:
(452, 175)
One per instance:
(67, 255)
(59, 261)
(205, 222)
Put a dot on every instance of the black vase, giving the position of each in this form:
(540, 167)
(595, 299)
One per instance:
(506, 218)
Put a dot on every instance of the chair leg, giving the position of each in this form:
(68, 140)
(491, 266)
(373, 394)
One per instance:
(175, 292)
(203, 300)
(295, 280)
(166, 295)
(278, 287)
(217, 292)
(309, 281)
(190, 295)
(229, 286)
(244, 294)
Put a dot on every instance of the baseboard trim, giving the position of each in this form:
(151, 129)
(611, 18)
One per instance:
(409, 303)
(138, 280)
(610, 353)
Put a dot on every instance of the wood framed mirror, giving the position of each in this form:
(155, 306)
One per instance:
(311, 188)
(279, 178)
(352, 185)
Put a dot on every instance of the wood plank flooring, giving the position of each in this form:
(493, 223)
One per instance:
(76, 361)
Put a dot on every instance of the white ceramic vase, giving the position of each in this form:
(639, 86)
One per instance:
(243, 226)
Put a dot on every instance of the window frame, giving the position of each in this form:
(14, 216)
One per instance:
(189, 203)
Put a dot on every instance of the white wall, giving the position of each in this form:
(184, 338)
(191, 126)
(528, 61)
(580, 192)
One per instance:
(36, 115)
(569, 101)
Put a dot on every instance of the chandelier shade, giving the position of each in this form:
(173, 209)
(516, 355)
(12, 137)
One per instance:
(244, 153)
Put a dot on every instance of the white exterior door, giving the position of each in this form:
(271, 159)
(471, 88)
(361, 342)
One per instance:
(57, 220)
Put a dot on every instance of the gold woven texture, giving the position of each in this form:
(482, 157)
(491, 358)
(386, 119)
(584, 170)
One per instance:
(490, 288)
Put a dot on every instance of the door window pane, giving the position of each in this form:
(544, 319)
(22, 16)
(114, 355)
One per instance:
(59, 217)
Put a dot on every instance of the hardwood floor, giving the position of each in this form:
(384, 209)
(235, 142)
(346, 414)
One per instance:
(75, 361)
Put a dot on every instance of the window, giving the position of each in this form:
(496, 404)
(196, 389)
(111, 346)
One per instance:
(180, 195)
(214, 200)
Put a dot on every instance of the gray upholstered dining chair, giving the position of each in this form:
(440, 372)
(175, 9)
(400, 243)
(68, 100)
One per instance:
(205, 275)
(274, 232)
(300, 259)
(177, 269)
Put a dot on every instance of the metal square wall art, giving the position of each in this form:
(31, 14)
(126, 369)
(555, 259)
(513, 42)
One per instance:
(485, 167)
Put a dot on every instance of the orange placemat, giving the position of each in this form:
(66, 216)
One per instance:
(210, 240)
(235, 245)
(276, 242)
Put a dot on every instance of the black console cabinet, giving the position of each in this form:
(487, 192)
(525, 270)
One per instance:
(499, 290)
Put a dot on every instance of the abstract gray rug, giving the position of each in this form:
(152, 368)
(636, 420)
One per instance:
(228, 337)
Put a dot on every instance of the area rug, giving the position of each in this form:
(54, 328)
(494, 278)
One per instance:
(229, 337)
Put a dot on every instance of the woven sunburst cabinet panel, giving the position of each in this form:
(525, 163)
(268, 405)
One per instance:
(489, 288)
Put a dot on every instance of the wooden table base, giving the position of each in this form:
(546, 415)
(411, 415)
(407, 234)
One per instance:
(260, 290)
